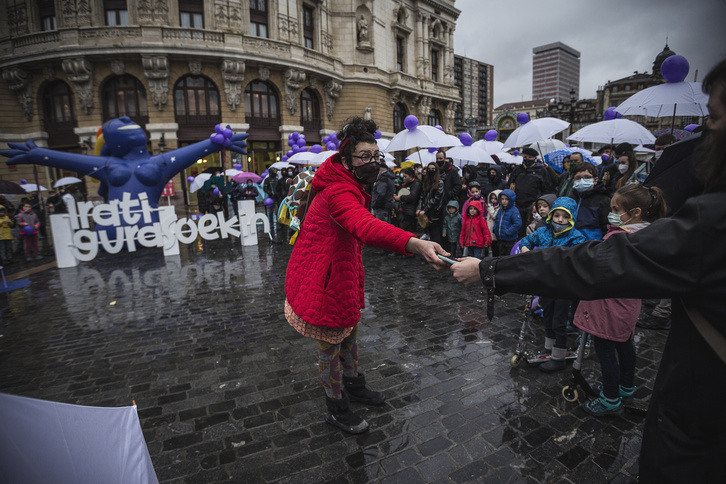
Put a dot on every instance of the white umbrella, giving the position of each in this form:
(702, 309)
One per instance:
(230, 172)
(319, 158)
(423, 156)
(390, 164)
(535, 130)
(199, 181)
(642, 149)
(279, 165)
(490, 147)
(32, 187)
(301, 157)
(419, 137)
(669, 99)
(505, 157)
(451, 140)
(383, 144)
(469, 153)
(68, 180)
(613, 131)
(548, 146)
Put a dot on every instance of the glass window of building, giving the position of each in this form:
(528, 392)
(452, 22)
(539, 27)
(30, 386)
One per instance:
(116, 12)
(434, 118)
(260, 101)
(125, 96)
(196, 96)
(191, 14)
(258, 18)
(400, 50)
(46, 11)
(434, 65)
(308, 26)
(399, 114)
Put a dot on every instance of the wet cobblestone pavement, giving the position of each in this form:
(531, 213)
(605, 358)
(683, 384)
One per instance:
(227, 391)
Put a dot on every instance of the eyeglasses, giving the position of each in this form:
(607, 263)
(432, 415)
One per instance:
(367, 157)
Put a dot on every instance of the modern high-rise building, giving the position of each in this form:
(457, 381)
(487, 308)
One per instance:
(555, 71)
(475, 81)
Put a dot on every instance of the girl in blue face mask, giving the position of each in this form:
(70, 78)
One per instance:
(593, 201)
(611, 322)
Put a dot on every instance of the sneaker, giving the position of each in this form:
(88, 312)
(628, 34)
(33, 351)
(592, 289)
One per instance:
(625, 398)
(601, 407)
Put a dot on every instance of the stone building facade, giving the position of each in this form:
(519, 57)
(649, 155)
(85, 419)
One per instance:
(179, 67)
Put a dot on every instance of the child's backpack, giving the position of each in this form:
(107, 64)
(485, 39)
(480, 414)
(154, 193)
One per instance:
(295, 205)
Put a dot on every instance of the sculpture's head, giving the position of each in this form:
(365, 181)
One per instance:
(123, 136)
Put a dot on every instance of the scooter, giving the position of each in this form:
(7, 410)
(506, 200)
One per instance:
(531, 312)
(570, 392)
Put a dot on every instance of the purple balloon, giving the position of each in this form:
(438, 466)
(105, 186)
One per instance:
(605, 158)
(301, 142)
(290, 142)
(269, 202)
(227, 133)
(28, 230)
(289, 153)
(218, 138)
(218, 128)
(216, 192)
(609, 113)
(465, 139)
(433, 149)
(333, 137)
(284, 158)
(691, 127)
(265, 174)
(515, 152)
(23, 181)
(523, 118)
(326, 139)
(316, 149)
(491, 135)
(618, 115)
(674, 68)
(438, 126)
(237, 166)
(378, 134)
(190, 179)
(410, 122)
(295, 135)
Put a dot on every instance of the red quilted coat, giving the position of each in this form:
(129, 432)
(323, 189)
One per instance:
(324, 282)
(475, 230)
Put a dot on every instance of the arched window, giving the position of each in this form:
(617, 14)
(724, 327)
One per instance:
(310, 115)
(261, 104)
(399, 114)
(58, 115)
(125, 96)
(434, 118)
(196, 107)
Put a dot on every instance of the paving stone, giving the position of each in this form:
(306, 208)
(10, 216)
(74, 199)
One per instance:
(228, 392)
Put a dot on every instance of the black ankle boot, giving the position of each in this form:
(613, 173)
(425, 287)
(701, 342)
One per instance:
(340, 415)
(556, 362)
(355, 387)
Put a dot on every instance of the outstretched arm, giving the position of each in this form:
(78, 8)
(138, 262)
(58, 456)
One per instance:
(181, 158)
(30, 153)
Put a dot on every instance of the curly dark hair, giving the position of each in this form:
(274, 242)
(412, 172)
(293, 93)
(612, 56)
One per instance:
(355, 130)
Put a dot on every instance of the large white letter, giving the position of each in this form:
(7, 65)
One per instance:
(183, 238)
(109, 245)
(150, 236)
(207, 224)
(126, 205)
(110, 211)
(85, 240)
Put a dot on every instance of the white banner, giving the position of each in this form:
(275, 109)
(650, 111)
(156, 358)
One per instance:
(45, 442)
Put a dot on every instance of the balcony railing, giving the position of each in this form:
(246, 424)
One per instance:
(172, 33)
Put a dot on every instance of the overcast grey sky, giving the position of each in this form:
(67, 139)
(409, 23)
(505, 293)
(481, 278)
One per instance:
(614, 37)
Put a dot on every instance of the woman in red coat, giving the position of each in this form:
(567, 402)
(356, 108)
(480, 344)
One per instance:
(324, 283)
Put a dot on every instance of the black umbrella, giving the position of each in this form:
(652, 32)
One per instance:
(10, 188)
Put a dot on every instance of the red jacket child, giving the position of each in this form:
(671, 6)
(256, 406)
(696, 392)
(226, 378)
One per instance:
(474, 227)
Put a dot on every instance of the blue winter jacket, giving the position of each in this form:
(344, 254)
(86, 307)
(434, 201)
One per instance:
(546, 237)
(508, 221)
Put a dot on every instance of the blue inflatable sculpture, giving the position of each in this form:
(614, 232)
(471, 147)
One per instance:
(124, 164)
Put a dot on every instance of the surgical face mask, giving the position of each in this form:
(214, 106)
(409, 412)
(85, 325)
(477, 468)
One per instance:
(584, 184)
(658, 154)
(559, 227)
(622, 169)
(614, 218)
(419, 171)
(289, 173)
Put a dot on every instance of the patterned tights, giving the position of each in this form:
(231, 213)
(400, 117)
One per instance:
(331, 357)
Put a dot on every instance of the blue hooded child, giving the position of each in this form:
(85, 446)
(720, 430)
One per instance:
(553, 236)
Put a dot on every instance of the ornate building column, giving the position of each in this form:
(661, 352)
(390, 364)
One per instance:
(332, 92)
(233, 73)
(293, 80)
(419, 45)
(80, 73)
(426, 47)
(449, 69)
(156, 70)
(19, 80)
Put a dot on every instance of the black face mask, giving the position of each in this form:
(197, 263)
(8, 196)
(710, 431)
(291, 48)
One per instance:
(441, 163)
(367, 173)
(528, 163)
(430, 172)
(492, 177)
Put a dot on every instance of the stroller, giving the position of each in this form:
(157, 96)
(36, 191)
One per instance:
(533, 313)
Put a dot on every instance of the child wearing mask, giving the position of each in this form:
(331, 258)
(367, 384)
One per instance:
(559, 231)
(451, 230)
(492, 210)
(474, 192)
(539, 212)
(611, 322)
(593, 202)
(507, 223)
(475, 231)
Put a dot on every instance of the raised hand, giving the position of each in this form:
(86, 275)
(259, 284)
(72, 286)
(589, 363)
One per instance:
(20, 153)
(225, 137)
